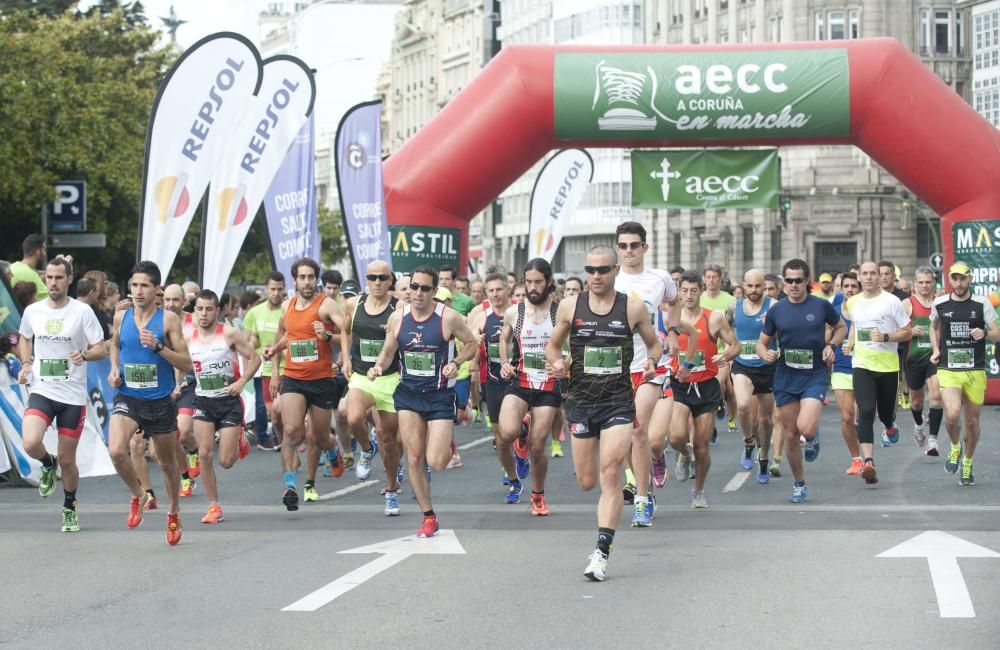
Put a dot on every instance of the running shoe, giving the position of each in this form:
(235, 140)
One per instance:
(799, 492)
(967, 479)
(521, 446)
(715, 436)
(892, 433)
(951, 465)
(932, 447)
(187, 487)
(659, 466)
(194, 463)
(47, 481)
(811, 451)
(885, 439)
(521, 465)
(681, 467)
(333, 464)
(640, 515)
(291, 499)
(348, 462)
(310, 494)
(214, 514)
(243, 446)
(732, 426)
(920, 434)
(513, 495)
(265, 442)
(720, 412)
(628, 493)
(363, 469)
(429, 528)
(763, 478)
(505, 481)
(455, 462)
(539, 508)
(150, 503)
(856, 466)
(747, 461)
(135, 511)
(400, 477)
(651, 505)
(698, 499)
(71, 521)
(904, 401)
(869, 474)
(556, 449)
(391, 505)
(174, 529)
(775, 468)
(354, 445)
(597, 568)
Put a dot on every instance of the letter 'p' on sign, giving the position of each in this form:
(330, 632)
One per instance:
(68, 212)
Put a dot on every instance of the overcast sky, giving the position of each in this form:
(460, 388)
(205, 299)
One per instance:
(204, 17)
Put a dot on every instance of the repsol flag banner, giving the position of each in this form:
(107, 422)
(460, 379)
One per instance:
(290, 205)
(359, 184)
(712, 178)
(558, 190)
(253, 154)
(702, 95)
(199, 103)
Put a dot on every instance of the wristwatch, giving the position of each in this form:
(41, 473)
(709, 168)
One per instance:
(688, 365)
(159, 346)
(676, 330)
(327, 335)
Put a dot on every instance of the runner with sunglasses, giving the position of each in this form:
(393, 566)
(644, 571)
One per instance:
(921, 374)
(802, 372)
(420, 338)
(600, 404)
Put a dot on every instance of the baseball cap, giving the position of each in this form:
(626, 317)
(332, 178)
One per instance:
(442, 294)
(350, 288)
(826, 277)
(959, 268)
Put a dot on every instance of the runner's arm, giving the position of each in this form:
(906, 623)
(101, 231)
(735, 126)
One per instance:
(455, 325)
(247, 351)
(114, 376)
(330, 312)
(24, 350)
(175, 349)
(725, 332)
(638, 317)
(389, 348)
(935, 350)
(560, 332)
(506, 332)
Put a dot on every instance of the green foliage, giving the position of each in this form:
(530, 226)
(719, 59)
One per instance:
(75, 97)
(333, 245)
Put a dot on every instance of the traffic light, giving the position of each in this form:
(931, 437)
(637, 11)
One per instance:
(784, 205)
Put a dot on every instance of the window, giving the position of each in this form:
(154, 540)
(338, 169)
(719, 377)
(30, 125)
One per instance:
(700, 248)
(675, 245)
(775, 29)
(747, 246)
(925, 30)
(959, 45)
(820, 30)
(776, 245)
(835, 28)
(942, 31)
(855, 24)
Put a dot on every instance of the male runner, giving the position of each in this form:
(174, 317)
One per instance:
(921, 374)
(600, 404)
(526, 329)
(960, 325)
(423, 335)
(260, 326)
(772, 289)
(58, 336)
(802, 373)
(305, 330)
(753, 379)
(574, 286)
(695, 389)
(337, 289)
(716, 299)
(147, 345)
(188, 460)
(842, 380)
(213, 347)
(650, 287)
(879, 323)
(365, 327)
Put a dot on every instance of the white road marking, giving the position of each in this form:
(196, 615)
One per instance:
(736, 482)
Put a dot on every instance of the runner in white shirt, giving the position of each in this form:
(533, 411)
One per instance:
(652, 287)
(58, 336)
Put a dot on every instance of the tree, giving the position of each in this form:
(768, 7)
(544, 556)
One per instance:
(331, 236)
(75, 98)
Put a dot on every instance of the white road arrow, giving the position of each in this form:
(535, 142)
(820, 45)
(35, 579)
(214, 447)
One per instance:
(942, 552)
(392, 552)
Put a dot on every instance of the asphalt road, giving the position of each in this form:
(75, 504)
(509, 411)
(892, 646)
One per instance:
(751, 569)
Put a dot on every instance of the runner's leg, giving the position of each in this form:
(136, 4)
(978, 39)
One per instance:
(204, 432)
(120, 432)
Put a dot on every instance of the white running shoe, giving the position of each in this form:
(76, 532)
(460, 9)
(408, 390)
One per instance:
(932, 446)
(681, 468)
(598, 566)
(920, 434)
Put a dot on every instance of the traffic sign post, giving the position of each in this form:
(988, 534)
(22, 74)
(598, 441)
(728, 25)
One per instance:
(937, 261)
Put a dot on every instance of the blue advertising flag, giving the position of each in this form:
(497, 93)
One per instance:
(359, 184)
(290, 204)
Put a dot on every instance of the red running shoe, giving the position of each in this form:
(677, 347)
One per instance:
(429, 527)
(135, 511)
(243, 449)
(174, 529)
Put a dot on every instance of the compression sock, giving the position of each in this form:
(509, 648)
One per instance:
(918, 416)
(605, 537)
(936, 415)
(69, 499)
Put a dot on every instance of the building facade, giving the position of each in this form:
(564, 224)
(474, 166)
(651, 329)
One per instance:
(985, 42)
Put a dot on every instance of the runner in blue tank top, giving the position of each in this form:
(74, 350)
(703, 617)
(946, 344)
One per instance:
(842, 381)
(423, 335)
(799, 323)
(146, 346)
(753, 378)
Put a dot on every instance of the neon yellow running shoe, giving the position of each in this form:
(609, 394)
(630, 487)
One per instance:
(309, 494)
(47, 482)
(71, 522)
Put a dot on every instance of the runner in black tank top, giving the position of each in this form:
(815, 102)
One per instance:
(599, 324)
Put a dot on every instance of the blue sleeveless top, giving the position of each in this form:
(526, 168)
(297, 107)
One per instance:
(748, 332)
(842, 362)
(423, 351)
(145, 374)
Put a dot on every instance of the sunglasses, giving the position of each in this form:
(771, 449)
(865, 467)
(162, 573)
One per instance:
(794, 280)
(426, 288)
(598, 270)
(380, 277)
(634, 245)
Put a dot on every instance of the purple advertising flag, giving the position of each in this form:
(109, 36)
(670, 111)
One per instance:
(359, 184)
(290, 204)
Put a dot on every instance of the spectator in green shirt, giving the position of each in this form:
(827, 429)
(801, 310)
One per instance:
(459, 301)
(34, 251)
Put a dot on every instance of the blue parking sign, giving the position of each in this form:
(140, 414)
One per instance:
(68, 213)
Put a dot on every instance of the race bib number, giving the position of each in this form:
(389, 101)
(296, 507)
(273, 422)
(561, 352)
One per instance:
(493, 352)
(534, 361)
(698, 360)
(748, 350)
(799, 359)
(302, 351)
(212, 382)
(961, 358)
(419, 364)
(865, 334)
(53, 369)
(602, 361)
(140, 375)
(371, 349)
(923, 344)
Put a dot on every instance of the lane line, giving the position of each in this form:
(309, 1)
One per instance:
(736, 482)
(343, 584)
(478, 441)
